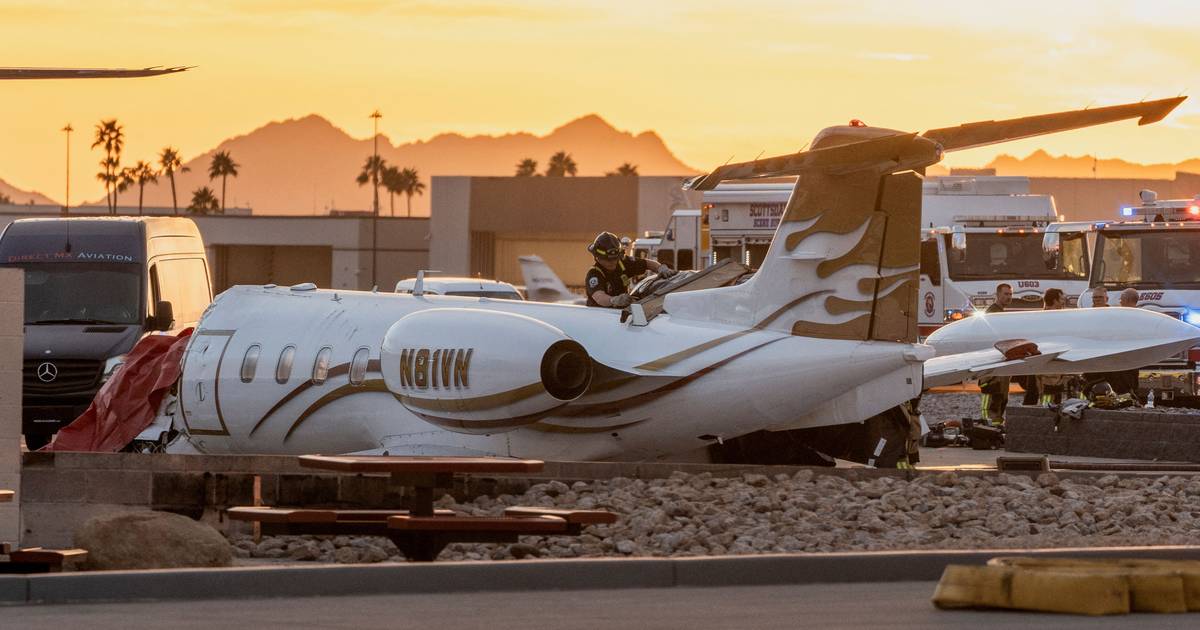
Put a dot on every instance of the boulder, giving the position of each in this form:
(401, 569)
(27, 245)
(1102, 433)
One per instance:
(151, 540)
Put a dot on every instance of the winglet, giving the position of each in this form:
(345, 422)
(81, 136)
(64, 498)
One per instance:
(1168, 105)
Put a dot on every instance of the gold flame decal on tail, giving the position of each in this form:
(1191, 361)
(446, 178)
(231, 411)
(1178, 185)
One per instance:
(867, 228)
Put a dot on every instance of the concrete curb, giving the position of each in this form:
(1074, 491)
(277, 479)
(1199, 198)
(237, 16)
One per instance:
(583, 574)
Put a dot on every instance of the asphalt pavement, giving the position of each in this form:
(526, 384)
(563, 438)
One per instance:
(894, 605)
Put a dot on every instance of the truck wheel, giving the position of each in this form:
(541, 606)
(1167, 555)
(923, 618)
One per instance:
(34, 441)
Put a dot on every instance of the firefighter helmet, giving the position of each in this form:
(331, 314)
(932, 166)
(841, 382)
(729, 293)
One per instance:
(606, 245)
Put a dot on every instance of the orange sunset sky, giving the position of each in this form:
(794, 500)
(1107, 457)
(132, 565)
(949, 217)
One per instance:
(714, 79)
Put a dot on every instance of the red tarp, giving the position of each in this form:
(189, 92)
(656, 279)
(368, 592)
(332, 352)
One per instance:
(129, 401)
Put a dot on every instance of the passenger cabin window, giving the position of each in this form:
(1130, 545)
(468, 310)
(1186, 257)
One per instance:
(283, 370)
(184, 283)
(250, 363)
(321, 366)
(358, 366)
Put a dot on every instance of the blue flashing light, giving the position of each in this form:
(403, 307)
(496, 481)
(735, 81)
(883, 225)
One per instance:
(1192, 317)
(1126, 212)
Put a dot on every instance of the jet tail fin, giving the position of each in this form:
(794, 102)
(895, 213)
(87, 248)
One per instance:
(844, 261)
(541, 283)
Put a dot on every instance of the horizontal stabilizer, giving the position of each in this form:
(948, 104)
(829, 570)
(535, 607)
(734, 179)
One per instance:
(979, 134)
(886, 153)
(901, 151)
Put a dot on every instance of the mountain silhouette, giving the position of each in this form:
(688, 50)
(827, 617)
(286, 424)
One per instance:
(22, 197)
(1042, 164)
(308, 165)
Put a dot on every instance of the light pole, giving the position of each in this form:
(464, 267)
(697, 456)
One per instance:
(67, 205)
(375, 115)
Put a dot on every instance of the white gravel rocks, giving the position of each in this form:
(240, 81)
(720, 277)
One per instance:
(688, 515)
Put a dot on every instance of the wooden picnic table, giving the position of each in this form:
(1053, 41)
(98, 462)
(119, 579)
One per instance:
(422, 474)
(421, 532)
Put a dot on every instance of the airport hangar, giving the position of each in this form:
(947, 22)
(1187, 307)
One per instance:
(480, 225)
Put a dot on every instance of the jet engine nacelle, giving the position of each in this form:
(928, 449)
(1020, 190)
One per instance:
(482, 371)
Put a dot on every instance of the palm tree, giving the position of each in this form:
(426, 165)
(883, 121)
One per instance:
(143, 174)
(624, 170)
(108, 176)
(527, 168)
(222, 166)
(125, 179)
(411, 185)
(393, 184)
(204, 202)
(372, 171)
(561, 164)
(111, 136)
(170, 163)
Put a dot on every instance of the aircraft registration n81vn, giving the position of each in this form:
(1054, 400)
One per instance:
(824, 334)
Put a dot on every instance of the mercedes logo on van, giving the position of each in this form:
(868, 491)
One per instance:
(47, 372)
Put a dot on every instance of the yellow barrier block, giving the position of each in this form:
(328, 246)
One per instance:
(1022, 589)
(1155, 585)
(1077, 593)
(1090, 587)
(967, 587)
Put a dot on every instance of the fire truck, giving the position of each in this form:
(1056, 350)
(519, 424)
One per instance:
(1155, 249)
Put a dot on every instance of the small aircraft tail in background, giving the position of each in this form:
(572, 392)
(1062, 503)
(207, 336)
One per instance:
(543, 285)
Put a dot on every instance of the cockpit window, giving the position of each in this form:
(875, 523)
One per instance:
(321, 366)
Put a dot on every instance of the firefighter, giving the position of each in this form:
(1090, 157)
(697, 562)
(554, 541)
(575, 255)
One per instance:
(607, 282)
(1053, 388)
(994, 389)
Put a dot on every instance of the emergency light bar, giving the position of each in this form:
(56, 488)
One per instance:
(1169, 209)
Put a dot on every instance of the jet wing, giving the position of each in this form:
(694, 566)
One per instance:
(1070, 341)
(956, 368)
(86, 73)
(979, 134)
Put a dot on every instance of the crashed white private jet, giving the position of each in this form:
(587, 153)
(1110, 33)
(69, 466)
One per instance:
(823, 336)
